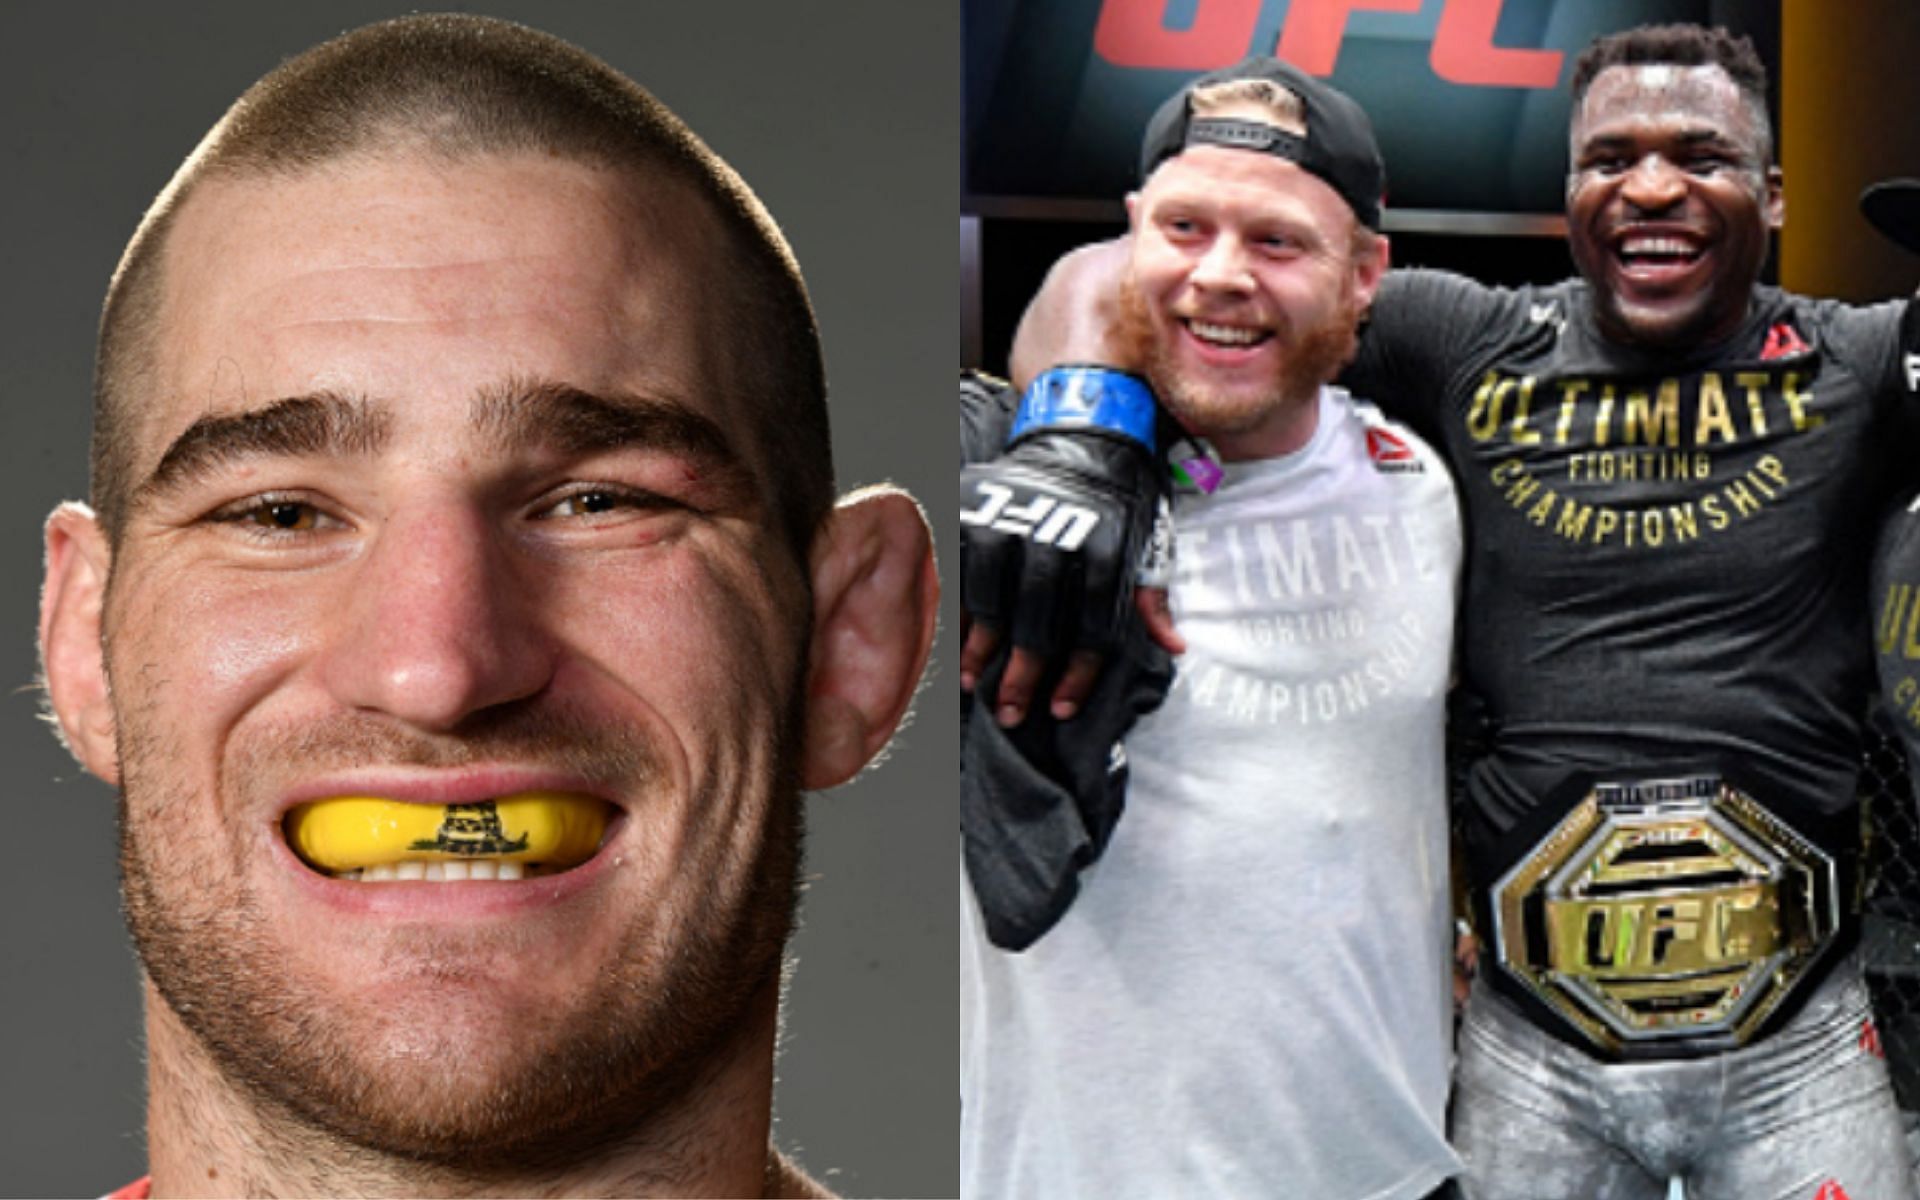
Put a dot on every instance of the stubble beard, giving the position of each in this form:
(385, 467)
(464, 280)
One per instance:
(1310, 358)
(550, 1089)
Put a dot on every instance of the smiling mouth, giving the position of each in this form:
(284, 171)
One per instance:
(1657, 252)
(374, 840)
(1228, 337)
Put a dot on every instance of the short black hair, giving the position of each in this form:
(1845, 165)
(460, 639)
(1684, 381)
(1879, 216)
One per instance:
(1681, 46)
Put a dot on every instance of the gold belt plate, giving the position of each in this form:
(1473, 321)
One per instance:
(1666, 911)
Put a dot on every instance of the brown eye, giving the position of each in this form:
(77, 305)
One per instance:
(273, 518)
(601, 501)
(587, 503)
(288, 516)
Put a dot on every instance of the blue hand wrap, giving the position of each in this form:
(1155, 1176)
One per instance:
(1087, 397)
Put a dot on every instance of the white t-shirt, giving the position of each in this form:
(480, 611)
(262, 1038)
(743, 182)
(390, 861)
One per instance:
(1251, 994)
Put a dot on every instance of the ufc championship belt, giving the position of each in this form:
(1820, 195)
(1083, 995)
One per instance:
(1667, 918)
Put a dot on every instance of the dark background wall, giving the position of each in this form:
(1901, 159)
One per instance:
(843, 115)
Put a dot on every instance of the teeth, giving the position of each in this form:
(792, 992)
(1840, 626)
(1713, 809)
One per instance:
(444, 872)
(1662, 247)
(1226, 335)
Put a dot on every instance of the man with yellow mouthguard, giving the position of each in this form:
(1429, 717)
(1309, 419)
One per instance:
(462, 606)
(533, 833)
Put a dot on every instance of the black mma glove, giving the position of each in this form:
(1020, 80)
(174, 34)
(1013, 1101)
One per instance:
(1052, 531)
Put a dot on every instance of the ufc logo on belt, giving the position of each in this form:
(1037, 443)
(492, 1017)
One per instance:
(1711, 930)
(1042, 519)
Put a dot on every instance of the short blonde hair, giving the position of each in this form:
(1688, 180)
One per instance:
(1279, 106)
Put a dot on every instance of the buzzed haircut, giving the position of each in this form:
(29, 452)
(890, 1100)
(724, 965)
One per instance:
(455, 87)
(1682, 46)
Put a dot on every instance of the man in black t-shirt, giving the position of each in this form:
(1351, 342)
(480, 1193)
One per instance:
(1894, 208)
(1670, 475)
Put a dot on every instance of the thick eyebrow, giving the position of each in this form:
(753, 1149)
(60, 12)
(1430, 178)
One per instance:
(532, 414)
(324, 423)
(1686, 139)
(515, 416)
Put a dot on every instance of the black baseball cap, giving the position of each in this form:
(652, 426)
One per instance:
(1893, 205)
(1338, 146)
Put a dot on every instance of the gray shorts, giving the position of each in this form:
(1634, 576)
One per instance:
(1805, 1113)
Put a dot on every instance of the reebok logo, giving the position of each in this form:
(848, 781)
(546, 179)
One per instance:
(1782, 340)
(1390, 453)
(1549, 314)
(1831, 1190)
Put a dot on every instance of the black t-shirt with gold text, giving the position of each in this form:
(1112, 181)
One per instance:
(1668, 553)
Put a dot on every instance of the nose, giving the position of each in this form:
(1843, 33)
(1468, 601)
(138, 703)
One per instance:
(440, 624)
(1653, 183)
(1222, 266)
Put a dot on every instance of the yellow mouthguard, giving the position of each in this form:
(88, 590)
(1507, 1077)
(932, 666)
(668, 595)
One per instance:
(347, 832)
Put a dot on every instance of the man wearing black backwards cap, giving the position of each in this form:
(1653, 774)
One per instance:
(1248, 995)
(1669, 474)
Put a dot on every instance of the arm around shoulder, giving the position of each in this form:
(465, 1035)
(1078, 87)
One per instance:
(1071, 317)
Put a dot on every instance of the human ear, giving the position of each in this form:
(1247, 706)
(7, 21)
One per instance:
(1370, 264)
(1774, 207)
(72, 657)
(876, 595)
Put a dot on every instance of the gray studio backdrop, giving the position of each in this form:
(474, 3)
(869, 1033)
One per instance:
(843, 115)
